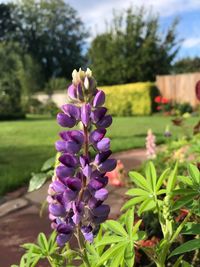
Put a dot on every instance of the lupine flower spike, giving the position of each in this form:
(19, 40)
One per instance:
(150, 145)
(77, 193)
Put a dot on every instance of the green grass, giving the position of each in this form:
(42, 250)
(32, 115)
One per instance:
(26, 144)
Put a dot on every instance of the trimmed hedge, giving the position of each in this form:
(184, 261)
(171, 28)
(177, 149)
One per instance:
(131, 99)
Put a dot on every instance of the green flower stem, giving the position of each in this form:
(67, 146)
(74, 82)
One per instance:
(81, 245)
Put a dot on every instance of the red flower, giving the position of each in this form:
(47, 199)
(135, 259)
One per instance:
(165, 100)
(158, 99)
(149, 242)
(158, 108)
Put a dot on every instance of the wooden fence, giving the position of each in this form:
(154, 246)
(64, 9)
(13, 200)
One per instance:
(179, 88)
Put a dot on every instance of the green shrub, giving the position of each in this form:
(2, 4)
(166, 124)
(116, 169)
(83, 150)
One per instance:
(55, 84)
(131, 99)
(50, 108)
(34, 106)
(183, 108)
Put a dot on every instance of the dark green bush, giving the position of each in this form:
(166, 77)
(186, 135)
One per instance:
(183, 108)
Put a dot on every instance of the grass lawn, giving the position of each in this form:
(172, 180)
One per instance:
(26, 144)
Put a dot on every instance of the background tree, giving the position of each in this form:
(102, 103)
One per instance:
(186, 65)
(133, 48)
(49, 30)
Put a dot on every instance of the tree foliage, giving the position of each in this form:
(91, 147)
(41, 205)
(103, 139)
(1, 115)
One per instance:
(186, 65)
(10, 83)
(49, 30)
(133, 48)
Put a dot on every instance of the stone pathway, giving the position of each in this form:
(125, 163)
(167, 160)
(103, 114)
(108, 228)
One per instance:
(19, 212)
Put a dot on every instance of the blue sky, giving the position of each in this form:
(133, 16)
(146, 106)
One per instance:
(94, 13)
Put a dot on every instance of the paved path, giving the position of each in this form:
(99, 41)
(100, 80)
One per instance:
(19, 213)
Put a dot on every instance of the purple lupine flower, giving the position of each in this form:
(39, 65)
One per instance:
(77, 193)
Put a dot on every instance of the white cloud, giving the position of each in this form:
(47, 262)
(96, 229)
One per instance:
(191, 42)
(95, 12)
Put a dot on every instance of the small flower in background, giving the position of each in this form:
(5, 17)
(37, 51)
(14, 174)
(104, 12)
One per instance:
(149, 242)
(164, 100)
(158, 99)
(77, 192)
(150, 145)
(167, 132)
(117, 176)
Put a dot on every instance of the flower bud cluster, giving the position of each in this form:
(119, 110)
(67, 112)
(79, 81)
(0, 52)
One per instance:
(150, 145)
(77, 194)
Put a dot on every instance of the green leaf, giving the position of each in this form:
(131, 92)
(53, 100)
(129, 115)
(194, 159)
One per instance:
(178, 262)
(48, 164)
(139, 180)
(112, 251)
(37, 180)
(191, 229)
(186, 247)
(184, 191)
(139, 235)
(136, 227)
(185, 180)
(42, 242)
(137, 192)
(194, 173)
(182, 202)
(132, 202)
(186, 264)
(117, 260)
(129, 256)
(116, 227)
(172, 179)
(151, 176)
(110, 240)
(146, 205)
(162, 178)
(129, 220)
(31, 246)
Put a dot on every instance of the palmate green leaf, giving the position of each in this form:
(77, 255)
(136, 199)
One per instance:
(132, 202)
(116, 227)
(129, 220)
(35, 248)
(48, 164)
(186, 247)
(191, 229)
(111, 240)
(147, 205)
(162, 178)
(116, 262)
(111, 252)
(137, 192)
(183, 201)
(42, 242)
(194, 173)
(139, 180)
(184, 179)
(151, 176)
(129, 255)
(37, 180)
(172, 179)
